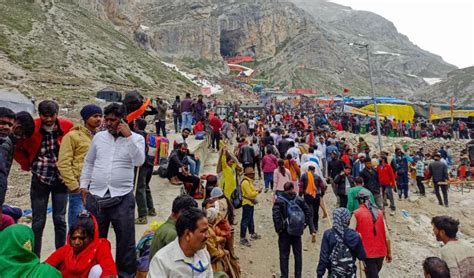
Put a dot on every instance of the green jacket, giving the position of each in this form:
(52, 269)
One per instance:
(165, 234)
(352, 203)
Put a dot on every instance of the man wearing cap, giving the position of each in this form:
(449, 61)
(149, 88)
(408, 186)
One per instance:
(39, 154)
(439, 172)
(249, 196)
(74, 148)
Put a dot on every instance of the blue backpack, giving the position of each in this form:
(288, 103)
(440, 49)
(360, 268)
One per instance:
(295, 219)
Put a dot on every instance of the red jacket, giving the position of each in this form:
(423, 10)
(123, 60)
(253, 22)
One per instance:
(386, 175)
(216, 124)
(27, 149)
(375, 245)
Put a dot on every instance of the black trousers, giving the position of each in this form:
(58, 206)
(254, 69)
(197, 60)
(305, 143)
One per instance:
(420, 185)
(216, 137)
(285, 242)
(343, 200)
(39, 197)
(143, 194)
(444, 189)
(160, 125)
(313, 204)
(373, 267)
(122, 217)
(256, 164)
(247, 221)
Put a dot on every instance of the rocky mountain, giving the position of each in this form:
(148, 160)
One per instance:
(60, 49)
(459, 84)
(297, 43)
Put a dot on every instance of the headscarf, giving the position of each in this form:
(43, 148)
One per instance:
(341, 217)
(211, 214)
(364, 195)
(16, 254)
(77, 264)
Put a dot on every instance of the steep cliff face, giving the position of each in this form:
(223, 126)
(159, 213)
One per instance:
(459, 84)
(297, 43)
(258, 28)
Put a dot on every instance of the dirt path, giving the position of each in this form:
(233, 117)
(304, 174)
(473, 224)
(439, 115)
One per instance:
(410, 229)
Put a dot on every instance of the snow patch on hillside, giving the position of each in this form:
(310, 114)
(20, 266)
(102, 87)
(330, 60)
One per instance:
(203, 83)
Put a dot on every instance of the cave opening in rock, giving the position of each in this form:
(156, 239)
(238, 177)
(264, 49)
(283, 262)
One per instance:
(229, 42)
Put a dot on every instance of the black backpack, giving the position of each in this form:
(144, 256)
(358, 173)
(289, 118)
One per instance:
(295, 219)
(236, 197)
(343, 265)
(163, 169)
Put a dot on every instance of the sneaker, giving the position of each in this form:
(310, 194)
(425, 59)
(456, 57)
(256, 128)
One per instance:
(392, 213)
(245, 242)
(313, 237)
(141, 221)
(255, 236)
(266, 190)
(151, 212)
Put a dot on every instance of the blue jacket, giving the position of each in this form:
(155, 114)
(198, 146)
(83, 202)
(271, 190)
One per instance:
(351, 239)
(355, 168)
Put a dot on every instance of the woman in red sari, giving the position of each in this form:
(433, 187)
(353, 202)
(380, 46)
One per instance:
(85, 254)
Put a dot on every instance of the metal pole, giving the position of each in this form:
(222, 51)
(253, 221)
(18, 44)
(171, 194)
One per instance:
(377, 120)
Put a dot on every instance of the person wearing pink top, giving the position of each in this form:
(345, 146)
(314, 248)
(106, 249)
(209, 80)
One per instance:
(269, 164)
(281, 175)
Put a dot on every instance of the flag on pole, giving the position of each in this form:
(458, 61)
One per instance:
(451, 107)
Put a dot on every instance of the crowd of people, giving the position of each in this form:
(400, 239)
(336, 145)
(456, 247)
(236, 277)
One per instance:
(96, 172)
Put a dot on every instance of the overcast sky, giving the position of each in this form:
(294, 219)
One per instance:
(443, 27)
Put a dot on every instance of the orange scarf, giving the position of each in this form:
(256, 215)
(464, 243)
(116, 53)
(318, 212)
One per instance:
(311, 188)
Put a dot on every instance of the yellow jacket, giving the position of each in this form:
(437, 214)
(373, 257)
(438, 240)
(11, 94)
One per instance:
(229, 175)
(74, 147)
(248, 192)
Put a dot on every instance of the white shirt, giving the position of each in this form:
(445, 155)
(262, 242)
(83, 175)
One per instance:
(110, 162)
(322, 148)
(317, 170)
(252, 124)
(295, 153)
(170, 262)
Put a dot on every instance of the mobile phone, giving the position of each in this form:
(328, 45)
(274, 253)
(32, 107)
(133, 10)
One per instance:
(122, 121)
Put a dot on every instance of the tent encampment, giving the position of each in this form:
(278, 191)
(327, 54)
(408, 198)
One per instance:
(109, 95)
(397, 111)
(16, 101)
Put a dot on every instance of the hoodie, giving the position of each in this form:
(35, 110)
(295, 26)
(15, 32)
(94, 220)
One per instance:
(351, 239)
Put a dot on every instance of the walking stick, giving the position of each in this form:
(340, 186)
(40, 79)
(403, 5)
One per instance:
(322, 204)
(136, 181)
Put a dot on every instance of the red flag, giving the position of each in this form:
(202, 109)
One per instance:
(137, 113)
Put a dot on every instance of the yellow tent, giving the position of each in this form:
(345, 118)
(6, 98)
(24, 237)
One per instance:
(447, 114)
(397, 111)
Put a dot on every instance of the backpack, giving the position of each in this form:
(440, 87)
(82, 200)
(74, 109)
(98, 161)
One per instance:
(342, 262)
(164, 146)
(163, 169)
(143, 252)
(295, 219)
(236, 197)
(200, 135)
(153, 145)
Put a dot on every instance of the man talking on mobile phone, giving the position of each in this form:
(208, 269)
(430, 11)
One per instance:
(107, 183)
